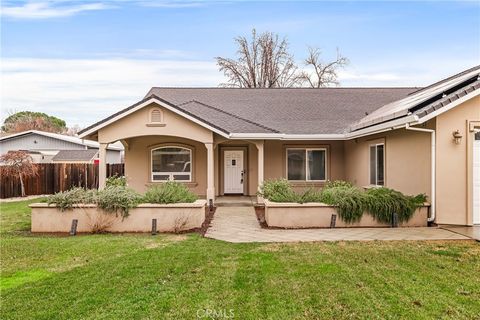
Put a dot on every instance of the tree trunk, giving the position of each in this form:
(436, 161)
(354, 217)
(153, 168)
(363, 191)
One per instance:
(22, 186)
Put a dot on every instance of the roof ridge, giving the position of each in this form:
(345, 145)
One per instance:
(295, 88)
(230, 114)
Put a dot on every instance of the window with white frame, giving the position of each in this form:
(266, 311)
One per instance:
(172, 163)
(377, 164)
(306, 164)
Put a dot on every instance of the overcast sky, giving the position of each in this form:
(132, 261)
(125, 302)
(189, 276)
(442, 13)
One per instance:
(83, 60)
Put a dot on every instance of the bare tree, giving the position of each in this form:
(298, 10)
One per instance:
(262, 62)
(73, 131)
(18, 164)
(324, 74)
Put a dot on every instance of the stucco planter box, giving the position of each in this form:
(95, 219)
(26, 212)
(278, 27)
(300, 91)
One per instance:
(318, 215)
(170, 218)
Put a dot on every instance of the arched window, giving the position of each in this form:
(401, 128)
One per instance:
(172, 163)
(156, 116)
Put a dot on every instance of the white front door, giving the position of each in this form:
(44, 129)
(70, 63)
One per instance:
(476, 179)
(233, 171)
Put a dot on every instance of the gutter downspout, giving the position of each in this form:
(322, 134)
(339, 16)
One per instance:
(433, 168)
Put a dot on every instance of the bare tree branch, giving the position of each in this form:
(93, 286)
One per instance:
(265, 62)
(323, 74)
(262, 62)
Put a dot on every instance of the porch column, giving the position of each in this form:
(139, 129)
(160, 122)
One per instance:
(102, 166)
(210, 172)
(260, 165)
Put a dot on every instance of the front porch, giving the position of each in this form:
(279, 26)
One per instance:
(223, 172)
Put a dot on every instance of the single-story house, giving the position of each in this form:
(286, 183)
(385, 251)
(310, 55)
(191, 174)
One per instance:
(44, 147)
(221, 141)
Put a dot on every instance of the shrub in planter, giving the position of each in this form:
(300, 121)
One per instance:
(169, 192)
(382, 202)
(114, 199)
(348, 199)
(118, 199)
(67, 199)
(337, 183)
(119, 181)
(278, 190)
(310, 195)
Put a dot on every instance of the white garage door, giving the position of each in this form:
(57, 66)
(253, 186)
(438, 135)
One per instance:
(476, 179)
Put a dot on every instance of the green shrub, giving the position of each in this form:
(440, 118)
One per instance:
(382, 202)
(118, 199)
(310, 195)
(169, 192)
(119, 181)
(337, 183)
(278, 190)
(67, 199)
(348, 199)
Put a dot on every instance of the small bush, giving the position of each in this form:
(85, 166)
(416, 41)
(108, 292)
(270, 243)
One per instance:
(381, 203)
(67, 199)
(169, 192)
(310, 195)
(278, 190)
(118, 181)
(337, 183)
(348, 199)
(118, 200)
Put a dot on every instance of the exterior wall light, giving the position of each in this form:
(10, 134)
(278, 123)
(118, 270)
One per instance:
(457, 136)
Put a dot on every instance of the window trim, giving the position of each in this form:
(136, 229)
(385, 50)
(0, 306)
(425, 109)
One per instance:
(306, 162)
(152, 173)
(376, 165)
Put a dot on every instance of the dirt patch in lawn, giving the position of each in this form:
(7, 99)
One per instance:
(209, 213)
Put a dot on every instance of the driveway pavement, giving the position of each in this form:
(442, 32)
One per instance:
(472, 232)
(239, 224)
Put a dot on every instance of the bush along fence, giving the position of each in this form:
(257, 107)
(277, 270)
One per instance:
(57, 177)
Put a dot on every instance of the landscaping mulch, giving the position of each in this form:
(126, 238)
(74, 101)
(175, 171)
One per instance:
(209, 213)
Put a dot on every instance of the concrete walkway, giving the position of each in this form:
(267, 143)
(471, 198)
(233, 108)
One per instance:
(471, 232)
(239, 224)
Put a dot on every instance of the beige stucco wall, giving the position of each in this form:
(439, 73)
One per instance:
(454, 163)
(170, 218)
(407, 160)
(138, 124)
(318, 215)
(140, 136)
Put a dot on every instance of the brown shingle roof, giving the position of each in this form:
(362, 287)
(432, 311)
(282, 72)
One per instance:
(75, 155)
(290, 111)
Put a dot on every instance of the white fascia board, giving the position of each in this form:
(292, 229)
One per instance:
(390, 125)
(146, 103)
(283, 136)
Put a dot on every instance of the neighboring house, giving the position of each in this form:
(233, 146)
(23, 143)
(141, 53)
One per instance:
(76, 156)
(45, 146)
(222, 141)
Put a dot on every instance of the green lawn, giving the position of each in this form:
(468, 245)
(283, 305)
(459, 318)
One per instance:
(182, 276)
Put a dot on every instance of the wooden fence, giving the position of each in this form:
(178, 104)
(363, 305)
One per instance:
(55, 177)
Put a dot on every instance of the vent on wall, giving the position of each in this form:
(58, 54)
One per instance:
(156, 116)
